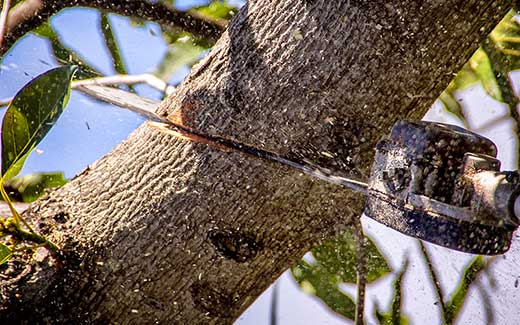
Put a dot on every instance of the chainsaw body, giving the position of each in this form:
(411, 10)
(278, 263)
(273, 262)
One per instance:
(443, 184)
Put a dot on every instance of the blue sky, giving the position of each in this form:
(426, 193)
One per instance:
(87, 129)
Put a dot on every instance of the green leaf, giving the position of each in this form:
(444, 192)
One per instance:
(5, 253)
(477, 69)
(466, 77)
(506, 37)
(491, 64)
(339, 257)
(336, 263)
(31, 114)
(64, 55)
(395, 316)
(217, 10)
(481, 65)
(453, 307)
(184, 51)
(28, 188)
(451, 104)
(317, 281)
(111, 44)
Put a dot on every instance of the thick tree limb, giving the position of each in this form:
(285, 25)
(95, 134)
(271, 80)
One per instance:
(32, 13)
(170, 231)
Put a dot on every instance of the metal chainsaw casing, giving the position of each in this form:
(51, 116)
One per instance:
(442, 184)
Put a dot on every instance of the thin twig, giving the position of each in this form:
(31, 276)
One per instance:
(360, 272)
(95, 87)
(32, 13)
(274, 305)
(489, 311)
(119, 79)
(434, 278)
(124, 99)
(3, 19)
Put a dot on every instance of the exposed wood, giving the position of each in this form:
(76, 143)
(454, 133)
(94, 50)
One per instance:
(171, 231)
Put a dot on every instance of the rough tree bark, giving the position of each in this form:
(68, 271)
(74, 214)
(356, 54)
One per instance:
(172, 231)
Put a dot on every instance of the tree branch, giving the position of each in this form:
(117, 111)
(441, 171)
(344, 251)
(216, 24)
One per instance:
(361, 272)
(32, 13)
(97, 88)
(3, 18)
(434, 278)
(119, 79)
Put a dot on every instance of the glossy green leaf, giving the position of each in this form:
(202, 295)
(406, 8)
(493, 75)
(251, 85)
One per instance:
(395, 316)
(317, 281)
(30, 187)
(339, 257)
(31, 114)
(5, 253)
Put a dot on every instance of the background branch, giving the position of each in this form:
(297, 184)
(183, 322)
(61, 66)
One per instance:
(434, 278)
(98, 89)
(3, 18)
(32, 13)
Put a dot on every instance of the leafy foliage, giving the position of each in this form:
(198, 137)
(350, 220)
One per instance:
(317, 281)
(5, 253)
(111, 44)
(339, 257)
(28, 188)
(64, 55)
(395, 316)
(453, 307)
(31, 114)
(506, 37)
(490, 65)
(335, 264)
(217, 10)
(183, 51)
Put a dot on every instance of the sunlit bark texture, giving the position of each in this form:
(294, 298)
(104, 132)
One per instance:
(172, 231)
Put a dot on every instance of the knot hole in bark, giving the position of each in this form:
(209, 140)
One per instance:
(234, 244)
